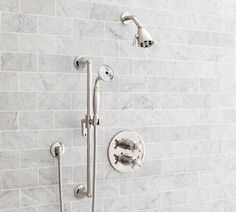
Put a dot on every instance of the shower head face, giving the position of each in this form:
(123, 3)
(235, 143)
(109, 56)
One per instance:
(105, 73)
(144, 38)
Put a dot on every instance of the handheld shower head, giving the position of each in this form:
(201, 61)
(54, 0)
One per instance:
(105, 73)
(143, 38)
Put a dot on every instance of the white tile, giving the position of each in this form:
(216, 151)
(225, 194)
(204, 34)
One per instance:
(18, 62)
(10, 6)
(36, 82)
(18, 23)
(54, 25)
(72, 8)
(36, 120)
(41, 7)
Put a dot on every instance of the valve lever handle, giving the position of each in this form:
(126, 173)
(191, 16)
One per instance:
(127, 160)
(127, 144)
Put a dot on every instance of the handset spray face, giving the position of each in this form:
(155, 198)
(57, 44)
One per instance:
(105, 73)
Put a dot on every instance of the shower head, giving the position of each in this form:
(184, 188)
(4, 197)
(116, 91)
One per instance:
(143, 38)
(105, 73)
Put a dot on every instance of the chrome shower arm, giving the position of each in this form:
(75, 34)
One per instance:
(126, 18)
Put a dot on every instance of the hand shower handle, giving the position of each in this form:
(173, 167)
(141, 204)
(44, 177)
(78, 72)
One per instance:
(96, 102)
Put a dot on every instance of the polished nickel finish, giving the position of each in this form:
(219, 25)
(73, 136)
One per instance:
(142, 38)
(127, 160)
(126, 151)
(127, 144)
(57, 150)
(125, 18)
(106, 74)
(80, 192)
(82, 63)
(91, 120)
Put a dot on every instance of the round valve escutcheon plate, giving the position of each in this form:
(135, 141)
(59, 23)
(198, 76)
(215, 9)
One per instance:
(126, 151)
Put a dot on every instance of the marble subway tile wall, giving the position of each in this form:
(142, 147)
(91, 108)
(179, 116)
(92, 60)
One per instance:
(180, 95)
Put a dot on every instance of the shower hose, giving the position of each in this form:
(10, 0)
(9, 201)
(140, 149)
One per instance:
(94, 169)
(58, 155)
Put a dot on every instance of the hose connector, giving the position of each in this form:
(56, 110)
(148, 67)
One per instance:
(57, 149)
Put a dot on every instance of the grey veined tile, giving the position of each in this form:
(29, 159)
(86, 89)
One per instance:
(36, 158)
(173, 85)
(104, 12)
(20, 179)
(109, 188)
(85, 206)
(71, 45)
(118, 31)
(54, 207)
(43, 7)
(17, 101)
(118, 204)
(35, 43)
(132, 84)
(89, 28)
(9, 5)
(8, 81)
(147, 201)
(68, 119)
(18, 62)
(54, 63)
(9, 160)
(173, 198)
(9, 42)
(80, 174)
(19, 140)
(70, 82)
(53, 101)
(36, 81)
(8, 120)
(9, 199)
(75, 156)
(36, 120)
(133, 186)
(49, 176)
(54, 25)
(18, 23)
(124, 65)
(173, 117)
(185, 133)
(173, 182)
(132, 119)
(47, 137)
(38, 196)
(102, 47)
(72, 8)
(28, 209)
